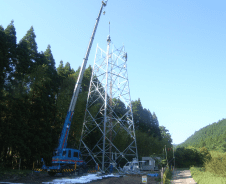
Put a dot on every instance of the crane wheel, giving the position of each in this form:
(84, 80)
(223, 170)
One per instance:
(80, 170)
(66, 171)
(52, 173)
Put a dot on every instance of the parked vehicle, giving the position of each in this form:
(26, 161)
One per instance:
(131, 166)
(149, 163)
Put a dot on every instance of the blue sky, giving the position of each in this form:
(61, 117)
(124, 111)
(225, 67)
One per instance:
(176, 50)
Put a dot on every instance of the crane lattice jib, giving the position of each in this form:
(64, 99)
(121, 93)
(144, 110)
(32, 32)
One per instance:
(67, 123)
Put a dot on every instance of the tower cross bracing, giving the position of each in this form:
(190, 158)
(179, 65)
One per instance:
(108, 135)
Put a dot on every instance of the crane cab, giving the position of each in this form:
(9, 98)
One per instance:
(67, 156)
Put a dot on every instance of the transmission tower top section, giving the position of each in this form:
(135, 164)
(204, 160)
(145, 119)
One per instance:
(108, 39)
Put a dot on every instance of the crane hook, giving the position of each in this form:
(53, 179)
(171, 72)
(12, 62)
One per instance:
(104, 3)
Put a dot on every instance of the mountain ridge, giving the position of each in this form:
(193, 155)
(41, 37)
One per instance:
(212, 136)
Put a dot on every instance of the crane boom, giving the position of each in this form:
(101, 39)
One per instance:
(68, 160)
(67, 123)
(82, 70)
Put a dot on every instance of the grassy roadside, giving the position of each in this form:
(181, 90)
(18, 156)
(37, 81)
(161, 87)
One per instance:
(204, 177)
(167, 176)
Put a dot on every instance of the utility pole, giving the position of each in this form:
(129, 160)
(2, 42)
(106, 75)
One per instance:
(166, 153)
(173, 158)
(163, 153)
(166, 156)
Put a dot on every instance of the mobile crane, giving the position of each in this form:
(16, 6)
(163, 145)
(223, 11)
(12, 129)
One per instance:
(67, 160)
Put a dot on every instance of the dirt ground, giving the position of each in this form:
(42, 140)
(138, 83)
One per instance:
(127, 179)
(44, 177)
(31, 178)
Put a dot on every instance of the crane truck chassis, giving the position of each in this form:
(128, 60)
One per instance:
(70, 162)
(67, 160)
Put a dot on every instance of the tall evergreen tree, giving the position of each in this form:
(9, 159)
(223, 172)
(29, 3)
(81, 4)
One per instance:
(155, 119)
(7, 53)
(10, 31)
(137, 113)
(49, 56)
(52, 72)
(4, 64)
(8, 59)
(60, 69)
(167, 140)
(30, 39)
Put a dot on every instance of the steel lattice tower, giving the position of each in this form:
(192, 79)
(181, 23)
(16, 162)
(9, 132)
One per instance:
(108, 134)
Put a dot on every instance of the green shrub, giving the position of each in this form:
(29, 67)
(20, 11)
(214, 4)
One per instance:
(190, 156)
(201, 176)
(217, 166)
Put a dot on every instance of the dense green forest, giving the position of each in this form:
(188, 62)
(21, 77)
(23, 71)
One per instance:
(205, 153)
(200, 147)
(213, 137)
(34, 99)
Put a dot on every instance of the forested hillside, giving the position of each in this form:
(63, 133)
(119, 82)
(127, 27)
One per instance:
(34, 99)
(213, 137)
(204, 152)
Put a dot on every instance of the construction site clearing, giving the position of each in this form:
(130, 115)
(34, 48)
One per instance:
(94, 178)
